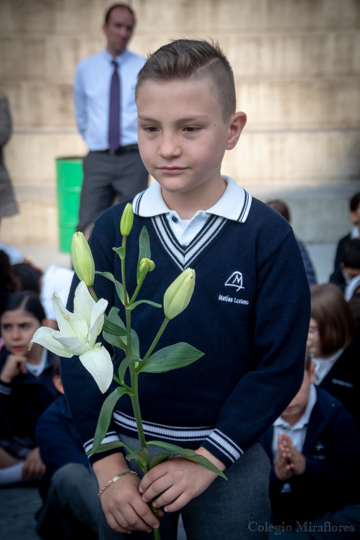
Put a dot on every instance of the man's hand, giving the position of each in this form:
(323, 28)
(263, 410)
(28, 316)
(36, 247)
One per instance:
(176, 481)
(123, 506)
(34, 467)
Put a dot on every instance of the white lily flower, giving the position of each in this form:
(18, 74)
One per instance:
(77, 335)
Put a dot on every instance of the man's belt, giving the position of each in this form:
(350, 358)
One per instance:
(121, 150)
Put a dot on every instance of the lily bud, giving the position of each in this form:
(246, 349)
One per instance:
(178, 295)
(82, 259)
(145, 266)
(127, 220)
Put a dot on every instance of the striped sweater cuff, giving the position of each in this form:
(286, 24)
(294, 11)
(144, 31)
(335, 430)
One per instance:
(222, 447)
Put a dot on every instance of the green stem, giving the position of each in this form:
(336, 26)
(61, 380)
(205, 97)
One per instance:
(133, 375)
(156, 531)
(156, 339)
(93, 293)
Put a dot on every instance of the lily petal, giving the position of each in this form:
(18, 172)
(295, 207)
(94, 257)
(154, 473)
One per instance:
(83, 302)
(47, 338)
(73, 344)
(70, 324)
(97, 321)
(99, 365)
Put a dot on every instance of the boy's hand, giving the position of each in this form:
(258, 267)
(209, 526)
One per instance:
(174, 482)
(283, 465)
(34, 467)
(297, 459)
(12, 367)
(123, 507)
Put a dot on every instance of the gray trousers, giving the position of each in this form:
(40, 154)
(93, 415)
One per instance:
(227, 509)
(107, 176)
(72, 505)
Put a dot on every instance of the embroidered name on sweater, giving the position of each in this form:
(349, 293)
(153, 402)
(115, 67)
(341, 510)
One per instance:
(233, 300)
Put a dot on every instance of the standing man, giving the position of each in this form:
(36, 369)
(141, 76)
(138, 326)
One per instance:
(106, 115)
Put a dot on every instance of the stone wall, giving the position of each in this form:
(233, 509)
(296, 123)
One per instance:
(297, 70)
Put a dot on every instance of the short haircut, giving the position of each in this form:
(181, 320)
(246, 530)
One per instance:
(114, 6)
(335, 321)
(350, 255)
(354, 202)
(26, 300)
(281, 207)
(185, 59)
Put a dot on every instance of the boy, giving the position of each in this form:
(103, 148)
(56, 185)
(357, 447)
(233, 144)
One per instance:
(315, 447)
(337, 276)
(249, 313)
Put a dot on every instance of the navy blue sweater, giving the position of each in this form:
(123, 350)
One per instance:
(249, 314)
(332, 451)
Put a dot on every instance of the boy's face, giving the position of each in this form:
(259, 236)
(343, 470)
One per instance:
(183, 138)
(296, 409)
(313, 342)
(355, 216)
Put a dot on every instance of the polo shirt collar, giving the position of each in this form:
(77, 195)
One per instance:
(234, 204)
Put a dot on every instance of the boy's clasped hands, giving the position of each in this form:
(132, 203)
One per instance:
(289, 461)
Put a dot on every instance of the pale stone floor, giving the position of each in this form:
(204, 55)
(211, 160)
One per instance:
(18, 505)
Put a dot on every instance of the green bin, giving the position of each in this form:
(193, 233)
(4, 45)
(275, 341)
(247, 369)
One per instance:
(69, 175)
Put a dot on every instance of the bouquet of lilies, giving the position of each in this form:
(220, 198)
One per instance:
(79, 331)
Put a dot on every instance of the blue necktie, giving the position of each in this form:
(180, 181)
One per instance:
(114, 112)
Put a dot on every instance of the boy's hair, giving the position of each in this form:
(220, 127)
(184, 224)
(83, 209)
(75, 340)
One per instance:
(354, 202)
(120, 5)
(280, 207)
(308, 360)
(335, 321)
(184, 59)
(350, 256)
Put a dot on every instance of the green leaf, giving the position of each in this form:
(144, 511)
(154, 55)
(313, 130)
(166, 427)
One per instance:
(114, 318)
(167, 446)
(156, 460)
(114, 329)
(121, 251)
(172, 357)
(141, 457)
(114, 340)
(106, 415)
(185, 453)
(118, 286)
(133, 306)
(130, 359)
(201, 460)
(135, 343)
(144, 249)
(110, 446)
